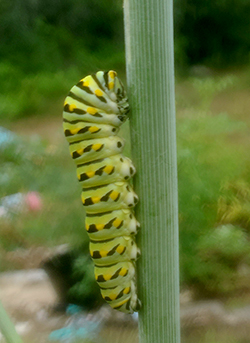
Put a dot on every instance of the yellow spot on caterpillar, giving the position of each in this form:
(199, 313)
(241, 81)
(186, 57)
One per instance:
(107, 276)
(111, 85)
(95, 200)
(91, 252)
(119, 304)
(93, 129)
(85, 83)
(114, 195)
(74, 131)
(87, 227)
(98, 92)
(99, 226)
(91, 110)
(112, 74)
(117, 222)
(108, 169)
(103, 253)
(96, 146)
(79, 151)
(120, 249)
(112, 296)
(96, 276)
(72, 107)
(123, 271)
(126, 290)
(90, 174)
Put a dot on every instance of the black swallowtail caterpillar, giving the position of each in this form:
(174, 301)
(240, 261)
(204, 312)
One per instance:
(94, 110)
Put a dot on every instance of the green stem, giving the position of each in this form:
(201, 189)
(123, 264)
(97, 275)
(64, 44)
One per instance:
(7, 328)
(150, 76)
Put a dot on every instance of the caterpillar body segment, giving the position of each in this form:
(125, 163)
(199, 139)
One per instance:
(109, 197)
(94, 110)
(121, 294)
(94, 149)
(111, 224)
(74, 115)
(80, 131)
(104, 171)
(113, 275)
(114, 250)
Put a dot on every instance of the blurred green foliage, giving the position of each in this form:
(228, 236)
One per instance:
(222, 253)
(45, 46)
(234, 204)
(205, 165)
(43, 35)
(212, 32)
(31, 165)
(48, 35)
(214, 190)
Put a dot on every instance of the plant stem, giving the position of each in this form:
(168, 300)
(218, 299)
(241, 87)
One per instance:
(150, 76)
(7, 327)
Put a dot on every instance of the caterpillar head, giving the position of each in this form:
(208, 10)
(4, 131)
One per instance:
(115, 90)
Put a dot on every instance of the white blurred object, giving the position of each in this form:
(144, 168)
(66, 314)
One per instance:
(6, 137)
(19, 203)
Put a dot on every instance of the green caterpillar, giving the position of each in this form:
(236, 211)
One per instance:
(94, 110)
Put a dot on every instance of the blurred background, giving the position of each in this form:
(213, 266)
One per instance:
(46, 47)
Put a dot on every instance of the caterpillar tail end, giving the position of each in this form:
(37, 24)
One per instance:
(131, 306)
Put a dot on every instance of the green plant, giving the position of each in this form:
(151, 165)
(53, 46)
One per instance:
(7, 327)
(150, 65)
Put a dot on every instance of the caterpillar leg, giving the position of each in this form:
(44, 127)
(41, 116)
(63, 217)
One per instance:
(127, 304)
(118, 287)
